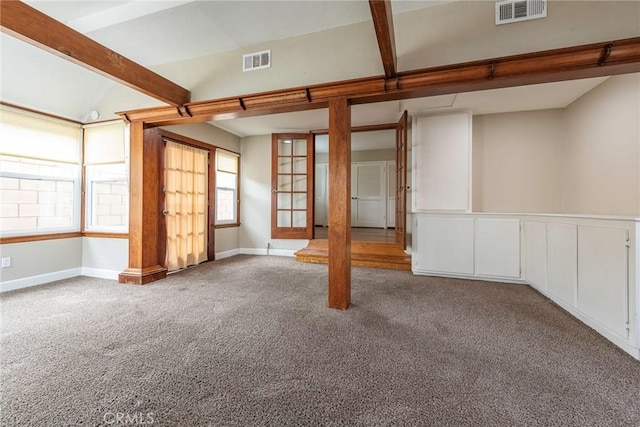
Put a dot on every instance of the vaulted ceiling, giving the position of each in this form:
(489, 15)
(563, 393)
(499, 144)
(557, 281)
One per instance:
(190, 41)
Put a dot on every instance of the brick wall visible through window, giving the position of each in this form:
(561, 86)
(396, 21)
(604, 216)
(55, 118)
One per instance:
(110, 204)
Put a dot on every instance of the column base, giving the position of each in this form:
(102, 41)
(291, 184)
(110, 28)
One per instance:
(142, 276)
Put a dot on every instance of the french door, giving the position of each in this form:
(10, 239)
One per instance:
(401, 181)
(186, 205)
(292, 167)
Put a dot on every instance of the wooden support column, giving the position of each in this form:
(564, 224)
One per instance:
(339, 203)
(145, 262)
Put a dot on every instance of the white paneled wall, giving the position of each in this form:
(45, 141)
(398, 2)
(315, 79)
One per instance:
(587, 265)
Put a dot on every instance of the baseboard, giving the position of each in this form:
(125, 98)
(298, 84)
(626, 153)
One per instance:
(469, 277)
(282, 252)
(12, 285)
(100, 273)
(275, 252)
(227, 254)
(593, 324)
(252, 251)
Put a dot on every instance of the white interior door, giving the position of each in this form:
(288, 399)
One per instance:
(368, 194)
(321, 195)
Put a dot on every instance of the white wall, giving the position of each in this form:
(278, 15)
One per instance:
(104, 257)
(583, 159)
(517, 161)
(33, 263)
(205, 132)
(453, 33)
(601, 158)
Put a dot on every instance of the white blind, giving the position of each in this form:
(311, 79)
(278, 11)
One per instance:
(226, 162)
(29, 136)
(104, 144)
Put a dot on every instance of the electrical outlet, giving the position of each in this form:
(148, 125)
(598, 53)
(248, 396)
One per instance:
(6, 262)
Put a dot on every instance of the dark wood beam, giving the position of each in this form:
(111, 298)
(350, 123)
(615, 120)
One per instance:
(339, 203)
(594, 60)
(34, 27)
(355, 129)
(383, 23)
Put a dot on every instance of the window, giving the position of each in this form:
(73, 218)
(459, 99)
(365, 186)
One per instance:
(39, 174)
(226, 187)
(106, 178)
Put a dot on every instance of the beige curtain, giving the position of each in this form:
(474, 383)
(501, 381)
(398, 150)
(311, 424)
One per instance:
(186, 203)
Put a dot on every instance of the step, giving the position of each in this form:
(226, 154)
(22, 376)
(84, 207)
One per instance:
(363, 254)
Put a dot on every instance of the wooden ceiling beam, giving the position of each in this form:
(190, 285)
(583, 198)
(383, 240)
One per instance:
(365, 128)
(383, 23)
(34, 27)
(594, 60)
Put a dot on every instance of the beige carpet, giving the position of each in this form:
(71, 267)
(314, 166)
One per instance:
(249, 341)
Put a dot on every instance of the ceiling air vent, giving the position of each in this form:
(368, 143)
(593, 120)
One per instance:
(520, 10)
(256, 60)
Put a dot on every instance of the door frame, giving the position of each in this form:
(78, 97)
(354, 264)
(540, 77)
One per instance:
(306, 232)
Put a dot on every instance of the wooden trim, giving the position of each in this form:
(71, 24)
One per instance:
(186, 140)
(34, 27)
(367, 128)
(383, 23)
(305, 232)
(41, 113)
(83, 185)
(38, 237)
(339, 203)
(401, 181)
(146, 262)
(533, 68)
(106, 235)
(236, 224)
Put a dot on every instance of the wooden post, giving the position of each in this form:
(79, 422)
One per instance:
(145, 263)
(339, 203)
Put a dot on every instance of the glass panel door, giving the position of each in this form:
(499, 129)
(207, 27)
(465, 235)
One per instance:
(401, 181)
(292, 186)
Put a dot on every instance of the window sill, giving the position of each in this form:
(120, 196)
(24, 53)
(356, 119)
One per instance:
(106, 234)
(38, 237)
(236, 224)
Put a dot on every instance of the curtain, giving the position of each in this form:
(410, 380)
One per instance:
(186, 203)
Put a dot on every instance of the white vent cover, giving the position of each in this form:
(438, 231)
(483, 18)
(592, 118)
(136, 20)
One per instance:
(520, 10)
(256, 60)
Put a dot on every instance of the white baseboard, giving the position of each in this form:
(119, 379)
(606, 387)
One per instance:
(26, 282)
(255, 251)
(593, 324)
(274, 252)
(227, 254)
(282, 252)
(470, 277)
(252, 251)
(100, 273)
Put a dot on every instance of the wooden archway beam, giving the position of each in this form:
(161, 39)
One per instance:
(383, 23)
(593, 60)
(34, 27)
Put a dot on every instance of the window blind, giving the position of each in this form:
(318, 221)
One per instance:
(226, 162)
(104, 144)
(29, 136)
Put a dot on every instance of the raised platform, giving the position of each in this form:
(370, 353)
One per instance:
(363, 254)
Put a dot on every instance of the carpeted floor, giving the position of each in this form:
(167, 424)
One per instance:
(249, 341)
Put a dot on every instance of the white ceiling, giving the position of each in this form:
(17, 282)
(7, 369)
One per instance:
(524, 98)
(156, 32)
(153, 32)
